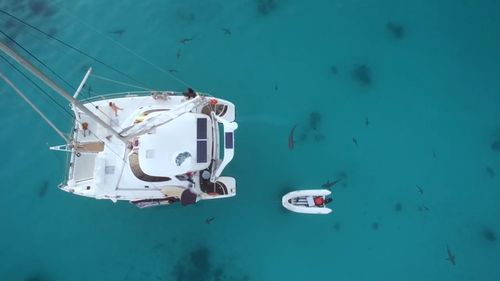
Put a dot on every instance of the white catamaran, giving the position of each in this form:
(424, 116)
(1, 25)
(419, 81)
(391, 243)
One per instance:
(150, 147)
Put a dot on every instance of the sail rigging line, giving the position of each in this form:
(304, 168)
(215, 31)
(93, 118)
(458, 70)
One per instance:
(47, 94)
(69, 113)
(42, 63)
(37, 59)
(70, 46)
(123, 158)
(46, 66)
(34, 107)
(119, 82)
(169, 74)
(38, 87)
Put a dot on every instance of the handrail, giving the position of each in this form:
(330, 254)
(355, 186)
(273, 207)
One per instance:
(134, 94)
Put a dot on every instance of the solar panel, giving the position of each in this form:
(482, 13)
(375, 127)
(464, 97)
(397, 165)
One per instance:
(201, 128)
(229, 140)
(201, 151)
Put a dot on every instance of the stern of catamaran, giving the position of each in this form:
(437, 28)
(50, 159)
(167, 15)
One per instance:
(223, 127)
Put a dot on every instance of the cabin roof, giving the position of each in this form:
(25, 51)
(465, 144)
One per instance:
(172, 149)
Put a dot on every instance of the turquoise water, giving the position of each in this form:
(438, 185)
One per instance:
(428, 85)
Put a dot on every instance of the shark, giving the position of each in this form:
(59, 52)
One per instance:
(225, 30)
(118, 32)
(291, 142)
(185, 40)
(451, 256)
(420, 190)
(328, 184)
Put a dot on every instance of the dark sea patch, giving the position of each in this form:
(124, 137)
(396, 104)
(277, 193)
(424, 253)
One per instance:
(185, 16)
(199, 266)
(17, 6)
(319, 137)
(490, 172)
(11, 24)
(334, 70)
(375, 226)
(43, 189)
(265, 7)
(336, 226)
(196, 267)
(12, 28)
(52, 31)
(219, 274)
(41, 8)
(342, 176)
(423, 209)
(311, 131)
(35, 12)
(488, 234)
(362, 74)
(398, 207)
(495, 146)
(397, 30)
(315, 120)
(158, 246)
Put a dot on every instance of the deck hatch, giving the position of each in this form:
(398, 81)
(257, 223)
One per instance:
(201, 151)
(109, 170)
(150, 153)
(201, 128)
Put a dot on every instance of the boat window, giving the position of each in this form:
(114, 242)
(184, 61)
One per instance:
(201, 144)
(201, 151)
(229, 140)
(201, 128)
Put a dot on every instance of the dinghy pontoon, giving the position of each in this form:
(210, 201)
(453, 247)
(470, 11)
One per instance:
(312, 201)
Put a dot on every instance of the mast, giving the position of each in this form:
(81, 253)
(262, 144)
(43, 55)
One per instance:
(82, 84)
(31, 68)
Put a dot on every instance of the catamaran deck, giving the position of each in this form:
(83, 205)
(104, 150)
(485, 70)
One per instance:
(101, 165)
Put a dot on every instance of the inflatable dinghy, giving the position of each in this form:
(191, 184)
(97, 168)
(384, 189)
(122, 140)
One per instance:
(311, 201)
